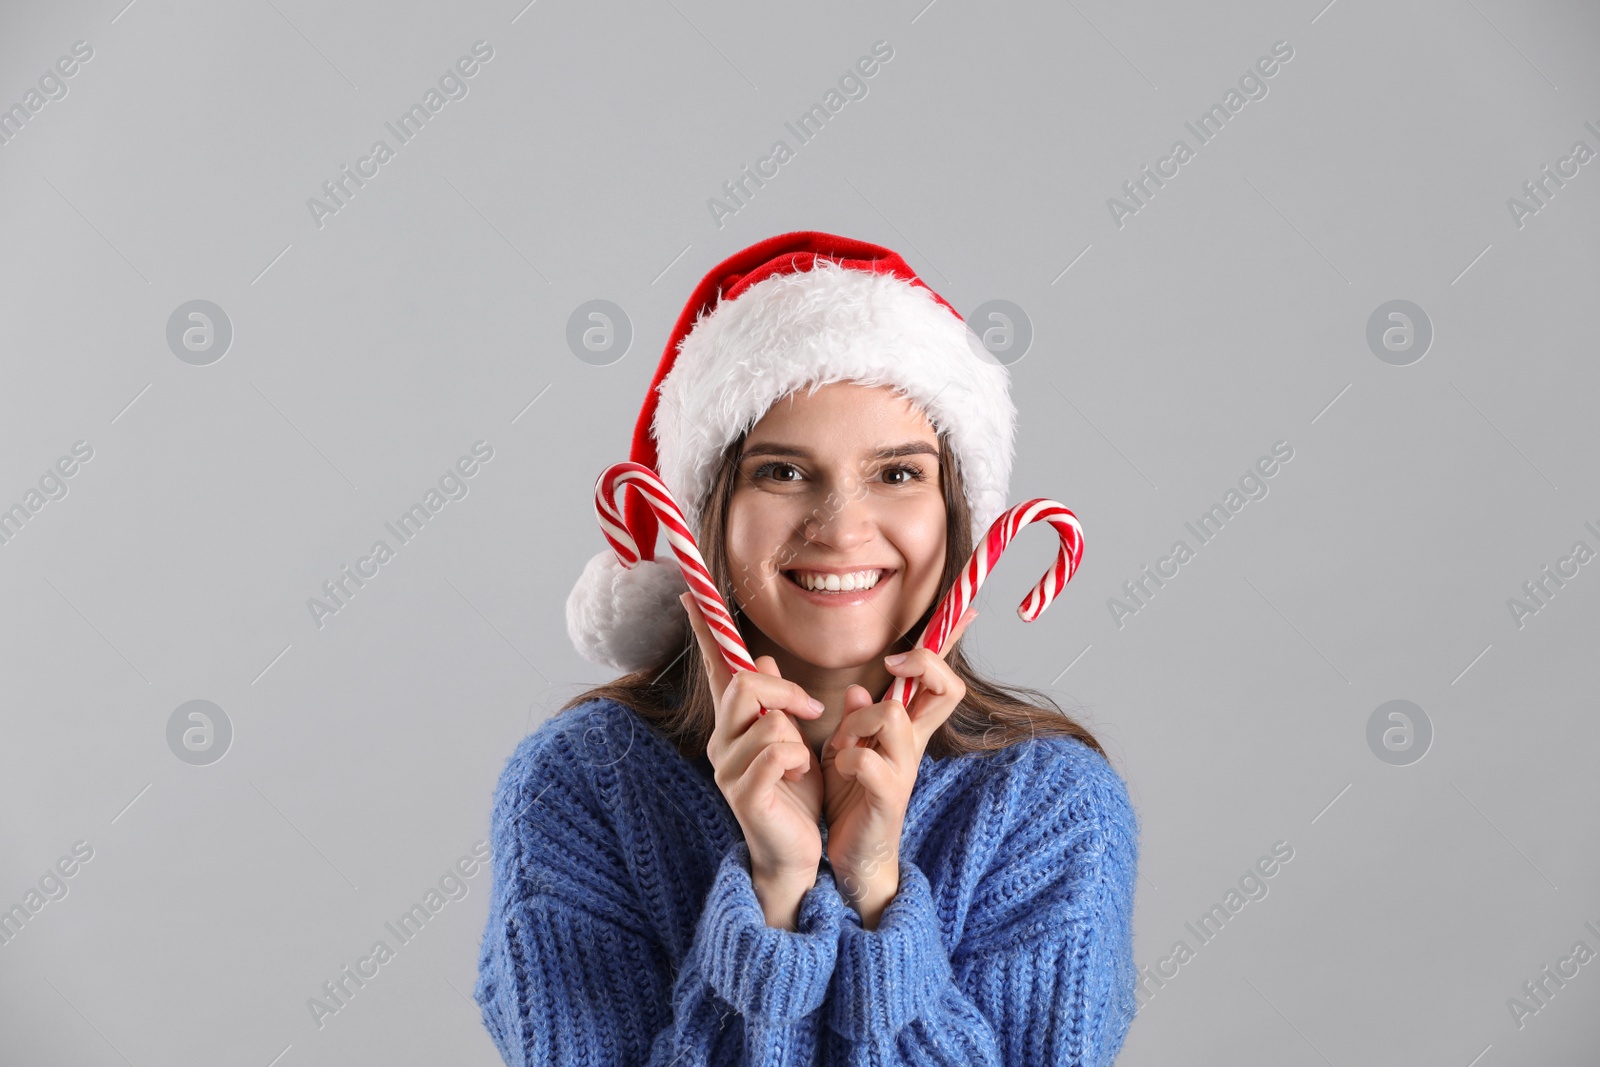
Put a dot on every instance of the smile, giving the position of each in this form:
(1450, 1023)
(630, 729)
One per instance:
(847, 587)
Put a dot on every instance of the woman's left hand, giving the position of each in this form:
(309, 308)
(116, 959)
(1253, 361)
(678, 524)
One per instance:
(869, 768)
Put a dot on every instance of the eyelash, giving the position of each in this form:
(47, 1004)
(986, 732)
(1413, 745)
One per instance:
(765, 469)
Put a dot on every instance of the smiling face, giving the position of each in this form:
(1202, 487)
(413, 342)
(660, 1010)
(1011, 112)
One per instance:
(836, 525)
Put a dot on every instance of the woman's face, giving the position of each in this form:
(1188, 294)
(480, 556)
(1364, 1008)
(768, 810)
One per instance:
(843, 481)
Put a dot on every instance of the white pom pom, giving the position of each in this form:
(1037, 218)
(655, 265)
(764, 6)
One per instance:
(627, 619)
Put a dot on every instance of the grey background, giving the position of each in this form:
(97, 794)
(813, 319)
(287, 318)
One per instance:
(430, 313)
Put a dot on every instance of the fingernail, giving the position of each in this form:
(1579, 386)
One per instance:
(816, 705)
(896, 659)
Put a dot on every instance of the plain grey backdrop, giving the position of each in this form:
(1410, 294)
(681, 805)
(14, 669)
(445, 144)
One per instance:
(180, 480)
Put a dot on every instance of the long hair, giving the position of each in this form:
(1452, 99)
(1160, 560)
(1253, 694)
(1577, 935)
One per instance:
(675, 696)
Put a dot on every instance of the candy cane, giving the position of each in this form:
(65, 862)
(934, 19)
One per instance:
(609, 491)
(984, 557)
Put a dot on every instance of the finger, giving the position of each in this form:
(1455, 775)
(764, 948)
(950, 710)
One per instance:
(929, 669)
(940, 691)
(767, 665)
(860, 724)
(871, 771)
(898, 742)
(746, 735)
(754, 690)
(717, 672)
(771, 764)
(856, 697)
(884, 729)
(809, 761)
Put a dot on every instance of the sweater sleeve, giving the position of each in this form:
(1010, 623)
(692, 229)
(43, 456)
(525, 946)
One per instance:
(572, 975)
(1044, 972)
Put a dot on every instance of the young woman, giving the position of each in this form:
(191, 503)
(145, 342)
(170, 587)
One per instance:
(682, 878)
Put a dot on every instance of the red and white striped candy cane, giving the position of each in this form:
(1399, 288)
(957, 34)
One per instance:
(609, 493)
(982, 562)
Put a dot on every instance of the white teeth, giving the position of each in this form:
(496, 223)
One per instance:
(837, 583)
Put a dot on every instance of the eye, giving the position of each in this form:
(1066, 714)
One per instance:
(914, 474)
(767, 469)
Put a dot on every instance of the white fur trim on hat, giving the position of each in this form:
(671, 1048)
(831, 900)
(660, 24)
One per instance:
(824, 325)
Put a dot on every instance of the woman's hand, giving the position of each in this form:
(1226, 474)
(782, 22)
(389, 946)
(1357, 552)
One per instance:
(765, 769)
(869, 768)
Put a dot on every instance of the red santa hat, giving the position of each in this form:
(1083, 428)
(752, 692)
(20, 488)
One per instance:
(796, 310)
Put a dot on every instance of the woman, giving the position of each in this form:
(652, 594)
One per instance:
(682, 877)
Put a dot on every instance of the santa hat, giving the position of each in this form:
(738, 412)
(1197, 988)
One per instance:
(799, 309)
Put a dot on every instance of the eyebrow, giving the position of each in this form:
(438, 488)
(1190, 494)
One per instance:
(910, 448)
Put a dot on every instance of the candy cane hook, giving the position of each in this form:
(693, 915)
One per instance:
(609, 491)
(984, 557)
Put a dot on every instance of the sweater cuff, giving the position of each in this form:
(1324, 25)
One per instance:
(770, 975)
(887, 977)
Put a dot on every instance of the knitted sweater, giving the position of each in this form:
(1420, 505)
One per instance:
(624, 928)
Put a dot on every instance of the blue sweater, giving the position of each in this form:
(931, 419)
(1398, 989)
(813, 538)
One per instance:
(624, 929)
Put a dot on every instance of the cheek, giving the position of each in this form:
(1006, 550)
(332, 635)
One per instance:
(754, 543)
(922, 541)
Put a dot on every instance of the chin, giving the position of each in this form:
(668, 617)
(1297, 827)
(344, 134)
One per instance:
(837, 659)
(838, 654)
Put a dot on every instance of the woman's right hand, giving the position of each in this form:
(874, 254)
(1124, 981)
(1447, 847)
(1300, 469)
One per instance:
(764, 767)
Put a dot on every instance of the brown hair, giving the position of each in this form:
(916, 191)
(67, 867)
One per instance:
(675, 697)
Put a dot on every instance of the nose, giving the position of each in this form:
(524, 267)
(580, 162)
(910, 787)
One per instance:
(843, 527)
